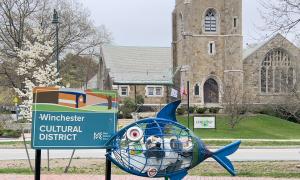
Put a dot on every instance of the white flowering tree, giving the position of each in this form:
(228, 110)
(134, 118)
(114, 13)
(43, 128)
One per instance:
(35, 70)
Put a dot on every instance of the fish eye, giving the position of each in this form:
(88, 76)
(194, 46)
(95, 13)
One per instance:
(134, 134)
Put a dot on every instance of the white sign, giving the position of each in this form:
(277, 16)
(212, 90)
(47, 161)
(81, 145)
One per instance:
(174, 93)
(208, 122)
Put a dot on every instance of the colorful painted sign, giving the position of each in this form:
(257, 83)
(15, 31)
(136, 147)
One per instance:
(205, 122)
(72, 119)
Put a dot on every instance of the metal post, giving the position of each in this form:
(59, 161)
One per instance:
(48, 160)
(67, 168)
(57, 51)
(188, 102)
(56, 22)
(37, 172)
(107, 168)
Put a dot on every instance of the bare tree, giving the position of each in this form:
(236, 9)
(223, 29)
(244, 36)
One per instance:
(289, 107)
(235, 101)
(281, 16)
(18, 19)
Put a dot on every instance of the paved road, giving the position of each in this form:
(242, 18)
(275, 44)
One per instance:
(240, 155)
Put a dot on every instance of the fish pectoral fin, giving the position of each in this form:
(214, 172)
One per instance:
(178, 176)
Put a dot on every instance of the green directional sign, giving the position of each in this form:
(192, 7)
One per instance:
(72, 119)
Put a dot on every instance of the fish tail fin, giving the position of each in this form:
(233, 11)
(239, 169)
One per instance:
(220, 156)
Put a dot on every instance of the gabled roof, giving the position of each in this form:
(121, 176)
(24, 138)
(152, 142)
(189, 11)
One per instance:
(251, 49)
(138, 65)
(254, 47)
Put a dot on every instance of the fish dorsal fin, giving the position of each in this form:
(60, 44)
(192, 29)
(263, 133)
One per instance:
(169, 111)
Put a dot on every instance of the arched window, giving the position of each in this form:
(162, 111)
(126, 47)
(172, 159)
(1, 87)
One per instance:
(197, 90)
(210, 21)
(277, 73)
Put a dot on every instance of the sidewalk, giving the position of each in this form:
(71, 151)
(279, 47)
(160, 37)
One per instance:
(124, 177)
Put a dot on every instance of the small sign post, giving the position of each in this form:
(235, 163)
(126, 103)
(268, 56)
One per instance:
(204, 122)
(37, 171)
(72, 119)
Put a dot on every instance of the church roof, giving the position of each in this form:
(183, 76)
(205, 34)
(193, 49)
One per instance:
(252, 48)
(138, 65)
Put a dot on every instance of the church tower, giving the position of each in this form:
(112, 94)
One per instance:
(207, 48)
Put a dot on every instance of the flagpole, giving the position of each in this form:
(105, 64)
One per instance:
(188, 102)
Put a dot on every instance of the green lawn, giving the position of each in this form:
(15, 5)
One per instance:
(253, 127)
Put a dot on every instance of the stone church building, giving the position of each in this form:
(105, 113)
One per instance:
(206, 50)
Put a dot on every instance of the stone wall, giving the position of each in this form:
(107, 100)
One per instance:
(190, 44)
(252, 65)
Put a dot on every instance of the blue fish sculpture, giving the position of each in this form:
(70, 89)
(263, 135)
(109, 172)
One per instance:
(161, 147)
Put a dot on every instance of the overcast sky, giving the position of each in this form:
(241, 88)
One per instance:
(148, 22)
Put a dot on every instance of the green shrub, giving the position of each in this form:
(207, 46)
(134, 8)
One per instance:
(180, 111)
(201, 110)
(127, 108)
(140, 99)
(23, 120)
(192, 109)
(120, 115)
(10, 133)
(214, 110)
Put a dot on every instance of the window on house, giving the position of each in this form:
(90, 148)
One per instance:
(124, 91)
(277, 72)
(197, 90)
(211, 48)
(210, 21)
(151, 91)
(154, 91)
(158, 91)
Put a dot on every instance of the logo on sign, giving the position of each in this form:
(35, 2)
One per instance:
(98, 136)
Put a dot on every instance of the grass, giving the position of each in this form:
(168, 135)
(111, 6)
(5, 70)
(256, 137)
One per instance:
(274, 169)
(255, 143)
(15, 171)
(14, 145)
(253, 127)
(286, 169)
